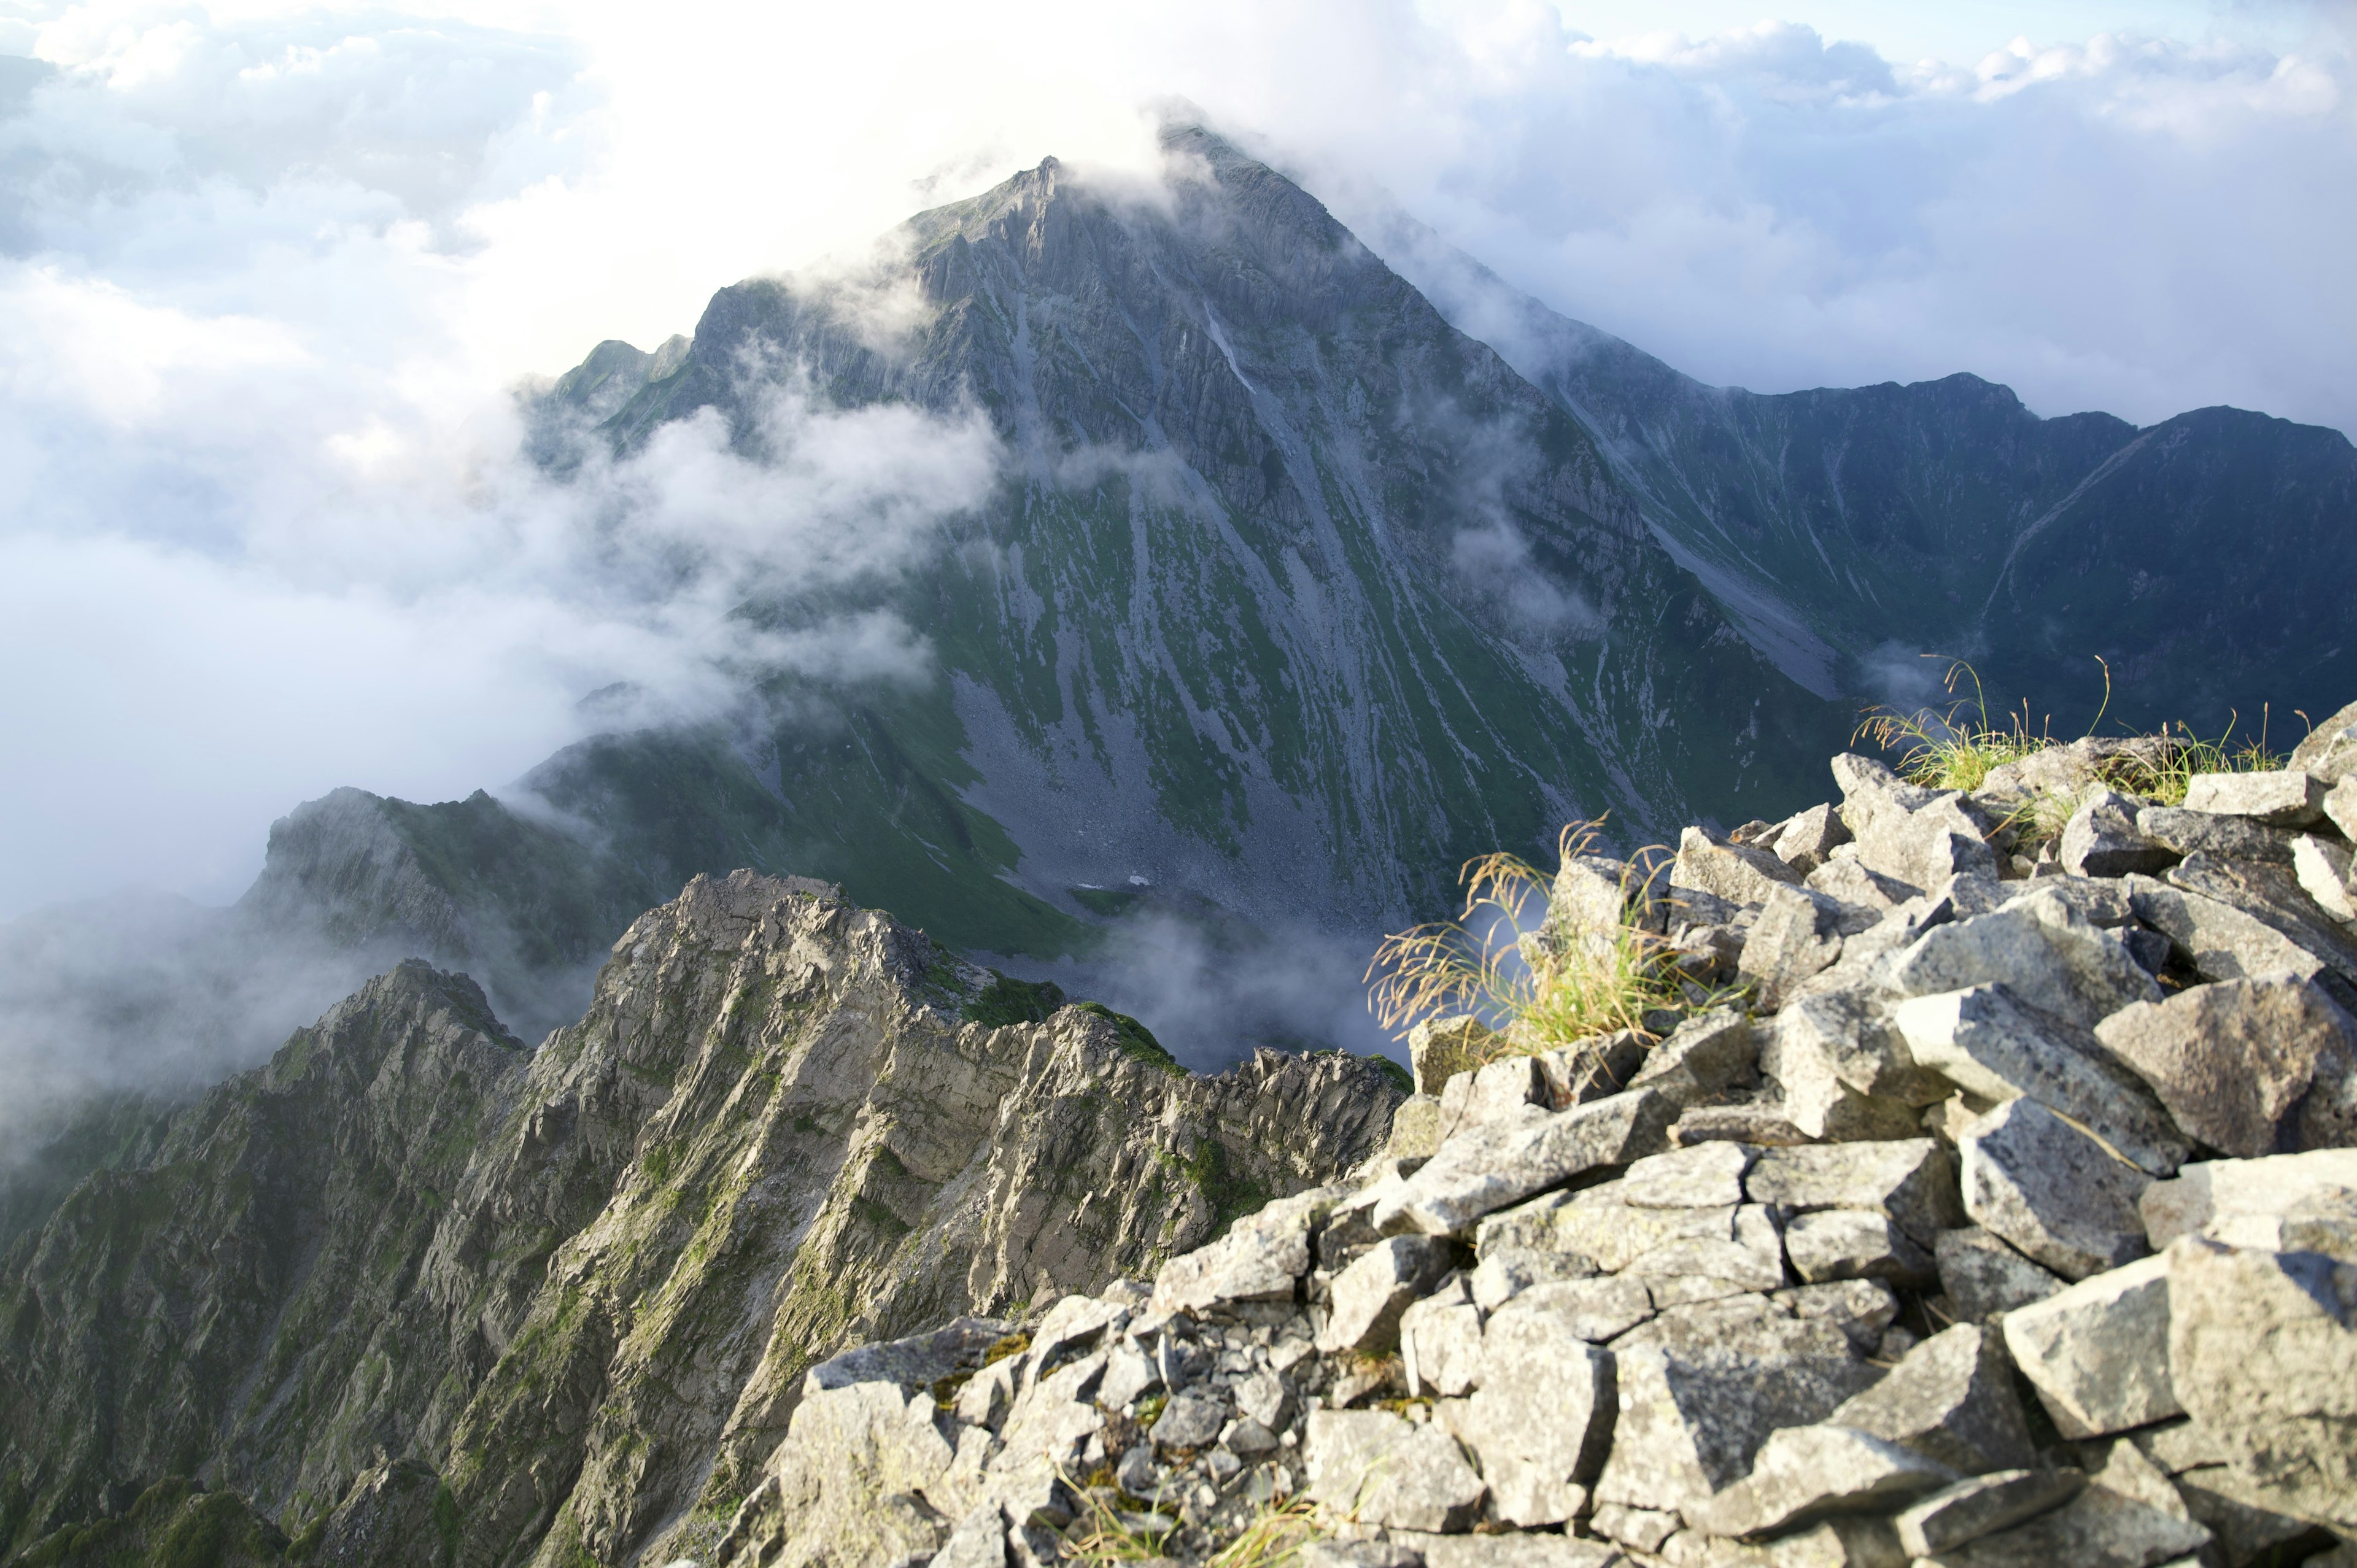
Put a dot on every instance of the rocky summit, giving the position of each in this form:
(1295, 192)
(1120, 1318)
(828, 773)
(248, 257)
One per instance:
(2008, 1218)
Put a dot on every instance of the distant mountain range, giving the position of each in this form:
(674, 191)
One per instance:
(1318, 568)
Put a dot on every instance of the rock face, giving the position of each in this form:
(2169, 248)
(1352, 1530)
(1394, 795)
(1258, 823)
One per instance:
(583, 1286)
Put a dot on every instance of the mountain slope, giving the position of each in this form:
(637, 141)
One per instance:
(581, 1284)
(2205, 557)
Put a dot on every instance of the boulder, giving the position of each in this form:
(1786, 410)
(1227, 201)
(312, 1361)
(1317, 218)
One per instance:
(1510, 1550)
(1853, 1036)
(1803, 840)
(1709, 1175)
(1926, 847)
(1441, 1347)
(1192, 1419)
(1494, 1092)
(1982, 1505)
(1372, 1468)
(1989, 1043)
(1440, 1048)
(1592, 1310)
(1983, 1277)
(1415, 1129)
(2329, 751)
(2184, 833)
(2098, 1352)
(1263, 1258)
(1541, 1420)
(1804, 1473)
(1856, 886)
(1798, 934)
(2220, 1189)
(2101, 838)
(1595, 896)
(1702, 1058)
(1484, 1170)
(1594, 1069)
(1852, 1244)
(2098, 1528)
(1912, 1181)
(1641, 1529)
(1870, 791)
(2051, 1190)
(1737, 1244)
(2045, 951)
(1368, 1553)
(2263, 1356)
(2217, 1498)
(2250, 1067)
(1760, 1123)
(1736, 873)
(2220, 941)
(1950, 1398)
(1370, 1295)
(2323, 869)
(2278, 797)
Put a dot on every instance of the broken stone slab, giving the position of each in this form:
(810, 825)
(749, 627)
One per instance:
(1440, 1048)
(1505, 1271)
(1804, 839)
(1760, 1122)
(1737, 1242)
(1494, 1092)
(1910, 1180)
(1643, 1529)
(1799, 932)
(2040, 946)
(1375, 1469)
(2263, 1355)
(1698, 1399)
(1541, 1418)
(1983, 1505)
(1813, 1095)
(1594, 1069)
(1369, 1296)
(2325, 1223)
(1441, 1347)
(1983, 1277)
(1595, 1311)
(1870, 791)
(1593, 894)
(1701, 1057)
(2323, 869)
(2278, 797)
(1804, 1473)
(2219, 941)
(1950, 1398)
(915, 1362)
(1487, 1168)
(1859, 887)
(2246, 1532)
(1736, 873)
(1709, 1175)
(1853, 1245)
(2215, 1190)
(1363, 1554)
(2271, 895)
(2250, 1067)
(1263, 1258)
(2101, 838)
(2098, 1528)
(1514, 1549)
(1988, 1042)
(1192, 1419)
(2052, 1190)
(2184, 833)
(1926, 847)
(1853, 1032)
(2098, 1352)
(1860, 1310)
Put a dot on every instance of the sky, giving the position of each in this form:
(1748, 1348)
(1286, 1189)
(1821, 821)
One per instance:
(273, 272)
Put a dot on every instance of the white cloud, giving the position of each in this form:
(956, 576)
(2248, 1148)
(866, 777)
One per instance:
(270, 271)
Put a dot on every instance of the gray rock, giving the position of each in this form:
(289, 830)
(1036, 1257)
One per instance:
(1983, 1277)
(1541, 1420)
(2184, 833)
(1519, 1550)
(2248, 1067)
(1696, 1405)
(1950, 1398)
(1703, 1056)
(1594, 1310)
(988, 1394)
(1374, 1468)
(1736, 1243)
(914, 1362)
(1925, 847)
(1191, 1419)
(1982, 1505)
(2040, 946)
(2098, 1352)
(1506, 1272)
(1860, 1310)
(1138, 1473)
(2271, 895)
(1803, 840)
(2222, 1190)
(1130, 1373)
(2101, 838)
(1415, 1129)
(1760, 1123)
(2341, 808)
(2246, 1532)
(1854, 1244)
(978, 1542)
(1858, 887)
(1441, 1347)
(2322, 867)
(1247, 1438)
(1370, 1295)
(1855, 1036)
(1595, 896)
(2219, 941)
(1595, 1068)
(1440, 1048)
(2051, 1190)
(1804, 1473)
(1799, 932)
(1910, 1180)
(1870, 791)
(1989, 1043)
(2280, 798)
(2099, 1528)
(1801, 1056)
(1494, 1166)
(1263, 1258)
(2263, 1355)
(1709, 1175)
(2329, 750)
(1359, 1554)
(1642, 1528)
(1494, 1091)
(1264, 1398)
(1736, 873)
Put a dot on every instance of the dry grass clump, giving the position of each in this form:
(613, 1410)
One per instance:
(1279, 1529)
(1541, 987)
(1946, 750)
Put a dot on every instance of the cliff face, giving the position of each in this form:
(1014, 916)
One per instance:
(583, 1285)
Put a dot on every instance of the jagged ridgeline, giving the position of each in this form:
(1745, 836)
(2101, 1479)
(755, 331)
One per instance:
(511, 1305)
(1293, 595)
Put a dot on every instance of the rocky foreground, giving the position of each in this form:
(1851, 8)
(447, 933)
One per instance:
(2010, 1219)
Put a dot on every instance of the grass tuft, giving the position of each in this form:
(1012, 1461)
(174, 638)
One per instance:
(1544, 993)
(1279, 1529)
(1946, 750)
